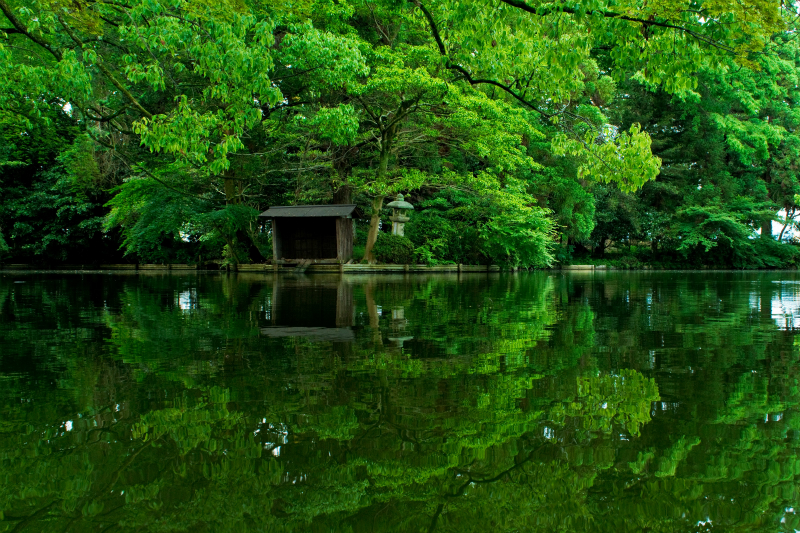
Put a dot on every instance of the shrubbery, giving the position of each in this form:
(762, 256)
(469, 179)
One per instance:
(393, 249)
(460, 227)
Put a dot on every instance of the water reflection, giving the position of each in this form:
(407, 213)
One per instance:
(613, 402)
(320, 309)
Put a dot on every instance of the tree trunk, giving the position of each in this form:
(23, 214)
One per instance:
(783, 230)
(236, 236)
(231, 198)
(343, 195)
(252, 250)
(766, 228)
(600, 249)
(789, 219)
(377, 203)
(374, 222)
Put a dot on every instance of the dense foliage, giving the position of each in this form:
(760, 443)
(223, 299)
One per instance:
(528, 132)
(393, 249)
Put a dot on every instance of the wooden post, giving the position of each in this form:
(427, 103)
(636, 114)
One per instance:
(344, 239)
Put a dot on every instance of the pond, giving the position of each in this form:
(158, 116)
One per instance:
(609, 402)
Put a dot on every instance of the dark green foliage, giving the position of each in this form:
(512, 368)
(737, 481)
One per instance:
(161, 225)
(445, 229)
(394, 249)
(152, 219)
(49, 221)
(51, 210)
(439, 238)
(469, 228)
(725, 174)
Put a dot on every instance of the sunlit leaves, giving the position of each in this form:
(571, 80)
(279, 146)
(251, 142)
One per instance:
(612, 156)
(336, 124)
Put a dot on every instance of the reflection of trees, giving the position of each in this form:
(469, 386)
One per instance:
(500, 414)
(708, 453)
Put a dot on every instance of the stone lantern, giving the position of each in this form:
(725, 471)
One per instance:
(400, 209)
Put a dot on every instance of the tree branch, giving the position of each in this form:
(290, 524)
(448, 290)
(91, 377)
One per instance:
(135, 165)
(542, 12)
(114, 81)
(464, 72)
(103, 118)
(20, 27)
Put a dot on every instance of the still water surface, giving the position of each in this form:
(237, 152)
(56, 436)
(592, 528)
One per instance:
(544, 402)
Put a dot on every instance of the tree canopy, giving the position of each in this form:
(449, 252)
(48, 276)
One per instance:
(184, 118)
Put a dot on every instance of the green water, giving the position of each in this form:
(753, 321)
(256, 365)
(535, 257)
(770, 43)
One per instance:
(545, 402)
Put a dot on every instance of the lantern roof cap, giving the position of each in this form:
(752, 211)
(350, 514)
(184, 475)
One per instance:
(399, 203)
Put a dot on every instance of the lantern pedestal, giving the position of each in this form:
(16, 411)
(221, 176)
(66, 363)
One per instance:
(398, 224)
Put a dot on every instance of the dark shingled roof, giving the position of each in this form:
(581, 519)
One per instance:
(295, 211)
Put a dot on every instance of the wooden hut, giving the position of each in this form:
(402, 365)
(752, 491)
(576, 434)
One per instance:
(318, 233)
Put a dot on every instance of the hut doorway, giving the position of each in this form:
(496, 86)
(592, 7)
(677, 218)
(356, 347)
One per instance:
(306, 238)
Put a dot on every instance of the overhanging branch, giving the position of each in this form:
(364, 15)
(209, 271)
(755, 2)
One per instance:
(464, 72)
(21, 29)
(550, 10)
(100, 64)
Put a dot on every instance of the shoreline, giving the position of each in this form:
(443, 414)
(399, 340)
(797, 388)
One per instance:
(328, 268)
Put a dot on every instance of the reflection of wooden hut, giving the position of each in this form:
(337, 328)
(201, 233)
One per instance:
(311, 232)
(321, 310)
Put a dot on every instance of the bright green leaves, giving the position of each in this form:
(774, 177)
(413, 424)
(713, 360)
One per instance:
(199, 138)
(399, 82)
(517, 235)
(536, 47)
(289, 102)
(327, 61)
(339, 125)
(612, 156)
(233, 59)
(492, 130)
(230, 59)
